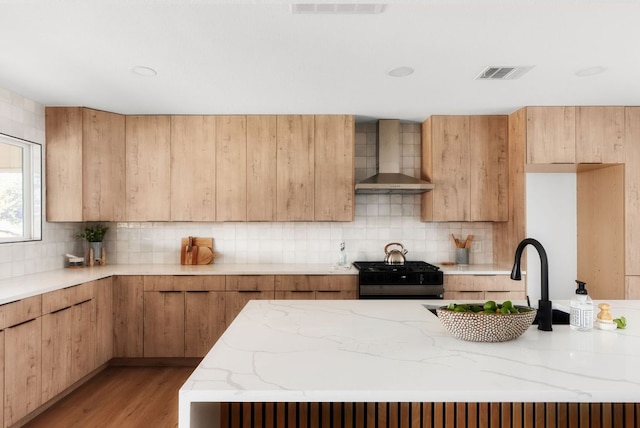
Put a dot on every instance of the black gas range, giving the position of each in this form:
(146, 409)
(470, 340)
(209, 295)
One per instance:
(411, 280)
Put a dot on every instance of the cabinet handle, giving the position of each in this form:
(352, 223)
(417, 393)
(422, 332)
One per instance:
(197, 291)
(60, 310)
(23, 322)
(84, 301)
(329, 291)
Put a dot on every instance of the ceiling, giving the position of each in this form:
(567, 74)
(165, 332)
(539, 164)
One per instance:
(257, 57)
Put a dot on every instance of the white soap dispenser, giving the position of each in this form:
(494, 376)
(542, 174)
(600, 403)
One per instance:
(581, 316)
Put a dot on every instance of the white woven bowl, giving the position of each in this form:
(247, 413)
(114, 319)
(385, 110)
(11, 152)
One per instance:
(486, 327)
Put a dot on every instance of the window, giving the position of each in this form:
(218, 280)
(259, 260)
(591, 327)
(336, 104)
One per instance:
(20, 190)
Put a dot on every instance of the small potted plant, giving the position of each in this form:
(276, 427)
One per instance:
(94, 236)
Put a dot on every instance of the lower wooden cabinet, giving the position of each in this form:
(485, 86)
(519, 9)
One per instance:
(242, 288)
(128, 300)
(104, 320)
(183, 315)
(22, 368)
(483, 287)
(57, 343)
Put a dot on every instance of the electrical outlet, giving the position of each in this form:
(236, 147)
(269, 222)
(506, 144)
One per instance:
(476, 246)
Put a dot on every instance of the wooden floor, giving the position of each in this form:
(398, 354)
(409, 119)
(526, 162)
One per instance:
(121, 397)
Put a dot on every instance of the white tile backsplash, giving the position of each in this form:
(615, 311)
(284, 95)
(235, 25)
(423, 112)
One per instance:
(378, 220)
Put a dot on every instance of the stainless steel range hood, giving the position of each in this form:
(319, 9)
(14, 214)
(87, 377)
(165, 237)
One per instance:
(389, 180)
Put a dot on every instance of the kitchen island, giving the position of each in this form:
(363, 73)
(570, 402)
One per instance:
(380, 351)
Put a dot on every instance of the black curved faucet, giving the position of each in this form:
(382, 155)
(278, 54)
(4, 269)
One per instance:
(544, 304)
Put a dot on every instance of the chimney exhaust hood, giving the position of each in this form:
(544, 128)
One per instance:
(389, 180)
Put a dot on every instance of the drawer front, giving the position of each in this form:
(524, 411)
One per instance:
(184, 283)
(326, 283)
(15, 313)
(60, 299)
(461, 283)
(293, 283)
(249, 283)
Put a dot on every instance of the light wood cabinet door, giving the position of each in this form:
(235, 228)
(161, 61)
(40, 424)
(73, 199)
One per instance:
(193, 168)
(204, 321)
(632, 191)
(64, 163)
(104, 320)
(451, 160)
(483, 287)
(335, 287)
(22, 370)
(231, 168)
(2, 378)
(164, 324)
(489, 168)
(294, 287)
(334, 144)
(128, 304)
(83, 349)
(551, 135)
(103, 166)
(57, 343)
(261, 168)
(242, 288)
(295, 168)
(600, 135)
(148, 161)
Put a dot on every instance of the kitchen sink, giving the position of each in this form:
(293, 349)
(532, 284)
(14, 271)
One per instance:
(558, 317)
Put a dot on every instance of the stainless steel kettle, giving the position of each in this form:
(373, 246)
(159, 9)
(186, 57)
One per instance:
(394, 257)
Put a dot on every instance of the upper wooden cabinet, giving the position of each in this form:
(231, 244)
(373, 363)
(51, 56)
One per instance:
(489, 168)
(148, 161)
(551, 135)
(334, 168)
(575, 135)
(85, 164)
(199, 168)
(600, 135)
(467, 160)
(193, 167)
(231, 168)
(295, 168)
(261, 168)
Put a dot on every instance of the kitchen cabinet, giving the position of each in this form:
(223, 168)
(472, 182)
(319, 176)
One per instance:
(489, 168)
(551, 135)
(128, 301)
(231, 168)
(242, 288)
(466, 157)
(22, 326)
(295, 168)
(103, 290)
(68, 338)
(193, 168)
(183, 315)
(334, 168)
(632, 193)
(319, 287)
(85, 152)
(148, 161)
(483, 287)
(2, 378)
(600, 134)
(261, 168)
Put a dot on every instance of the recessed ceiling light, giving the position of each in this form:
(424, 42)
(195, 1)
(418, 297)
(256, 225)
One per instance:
(591, 71)
(400, 72)
(141, 70)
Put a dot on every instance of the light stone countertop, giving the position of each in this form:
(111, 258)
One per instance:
(21, 287)
(397, 351)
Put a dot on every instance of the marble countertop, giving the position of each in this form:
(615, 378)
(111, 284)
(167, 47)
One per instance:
(21, 287)
(397, 351)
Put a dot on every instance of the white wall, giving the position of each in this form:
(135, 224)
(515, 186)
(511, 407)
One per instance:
(551, 219)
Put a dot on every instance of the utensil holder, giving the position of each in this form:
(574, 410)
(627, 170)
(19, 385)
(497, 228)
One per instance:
(462, 256)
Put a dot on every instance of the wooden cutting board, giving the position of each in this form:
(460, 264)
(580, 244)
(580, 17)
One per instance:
(200, 252)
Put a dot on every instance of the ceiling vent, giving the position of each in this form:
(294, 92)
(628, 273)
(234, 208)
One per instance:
(337, 8)
(502, 73)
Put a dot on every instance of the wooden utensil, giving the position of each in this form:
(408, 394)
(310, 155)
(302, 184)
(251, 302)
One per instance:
(196, 251)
